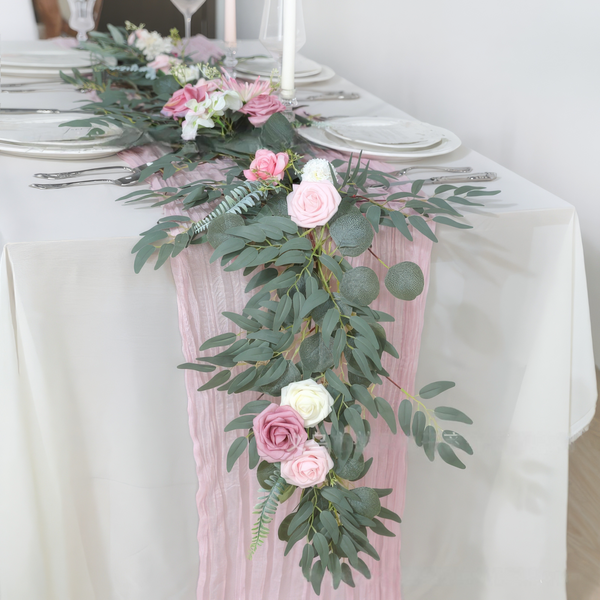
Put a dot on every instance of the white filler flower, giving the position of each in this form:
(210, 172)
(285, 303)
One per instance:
(152, 44)
(317, 170)
(310, 399)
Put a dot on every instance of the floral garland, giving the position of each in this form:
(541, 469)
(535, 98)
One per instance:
(312, 339)
(309, 335)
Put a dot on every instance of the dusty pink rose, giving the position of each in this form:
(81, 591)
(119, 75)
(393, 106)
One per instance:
(310, 468)
(162, 62)
(260, 108)
(176, 106)
(267, 165)
(313, 203)
(279, 433)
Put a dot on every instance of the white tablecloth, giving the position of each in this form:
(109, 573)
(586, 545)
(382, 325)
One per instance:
(97, 478)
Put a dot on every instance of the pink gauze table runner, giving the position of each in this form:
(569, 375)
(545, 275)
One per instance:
(226, 500)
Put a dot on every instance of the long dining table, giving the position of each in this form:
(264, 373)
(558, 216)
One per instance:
(97, 474)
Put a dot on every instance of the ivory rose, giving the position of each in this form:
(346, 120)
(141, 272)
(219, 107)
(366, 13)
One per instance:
(311, 468)
(279, 433)
(310, 399)
(267, 165)
(176, 106)
(260, 108)
(313, 203)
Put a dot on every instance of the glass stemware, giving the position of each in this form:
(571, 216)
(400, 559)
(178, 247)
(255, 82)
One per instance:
(82, 17)
(271, 29)
(187, 8)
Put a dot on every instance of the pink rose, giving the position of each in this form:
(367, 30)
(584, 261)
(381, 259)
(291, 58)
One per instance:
(313, 203)
(279, 433)
(267, 165)
(260, 108)
(133, 36)
(176, 106)
(311, 468)
(211, 84)
(162, 63)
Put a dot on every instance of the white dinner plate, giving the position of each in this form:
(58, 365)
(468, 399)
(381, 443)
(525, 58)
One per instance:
(385, 133)
(319, 136)
(325, 74)
(45, 130)
(61, 153)
(38, 72)
(49, 59)
(60, 143)
(304, 67)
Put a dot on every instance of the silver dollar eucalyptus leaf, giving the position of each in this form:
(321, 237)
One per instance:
(352, 234)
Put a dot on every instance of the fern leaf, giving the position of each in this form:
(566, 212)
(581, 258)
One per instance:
(239, 200)
(266, 509)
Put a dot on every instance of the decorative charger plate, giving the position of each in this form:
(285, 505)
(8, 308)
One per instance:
(319, 136)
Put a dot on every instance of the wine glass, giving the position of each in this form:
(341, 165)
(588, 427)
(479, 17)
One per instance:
(187, 8)
(271, 29)
(82, 17)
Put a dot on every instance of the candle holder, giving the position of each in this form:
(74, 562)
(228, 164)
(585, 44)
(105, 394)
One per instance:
(231, 61)
(288, 99)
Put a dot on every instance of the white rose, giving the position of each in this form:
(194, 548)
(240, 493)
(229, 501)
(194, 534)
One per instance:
(310, 399)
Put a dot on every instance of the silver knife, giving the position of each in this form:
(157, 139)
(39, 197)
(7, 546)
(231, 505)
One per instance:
(470, 178)
(339, 96)
(34, 83)
(38, 90)
(33, 111)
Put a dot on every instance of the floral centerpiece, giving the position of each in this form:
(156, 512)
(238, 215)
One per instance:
(310, 341)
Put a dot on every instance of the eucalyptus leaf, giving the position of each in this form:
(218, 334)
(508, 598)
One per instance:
(418, 427)
(405, 415)
(449, 456)
(235, 451)
(218, 379)
(446, 413)
(433, 389)
(457, 440)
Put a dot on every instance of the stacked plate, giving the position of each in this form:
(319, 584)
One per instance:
(49, 63)
(42, 136)
(306, 71)
(379, 137)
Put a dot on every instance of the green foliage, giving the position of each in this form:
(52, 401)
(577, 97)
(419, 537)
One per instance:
(360, 286)
(266, 509)
(309, 313)
(351, 233)
(405, 280)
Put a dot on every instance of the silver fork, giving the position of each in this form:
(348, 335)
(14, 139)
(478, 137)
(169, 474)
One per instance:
(401, 172)
(122, 182)
(69, 174)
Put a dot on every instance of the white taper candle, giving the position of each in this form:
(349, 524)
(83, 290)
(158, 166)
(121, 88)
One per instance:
(289, 49)
(230, 29)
